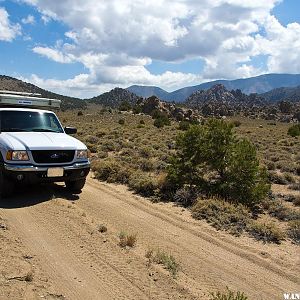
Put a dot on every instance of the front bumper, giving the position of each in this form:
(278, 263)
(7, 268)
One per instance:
(28, 174)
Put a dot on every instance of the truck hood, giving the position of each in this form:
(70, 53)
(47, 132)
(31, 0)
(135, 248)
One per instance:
(39, 141)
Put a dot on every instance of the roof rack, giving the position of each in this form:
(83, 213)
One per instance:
(19, 93)
(17, 99)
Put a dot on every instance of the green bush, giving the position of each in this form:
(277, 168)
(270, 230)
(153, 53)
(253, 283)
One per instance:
(211, 158)
(294, 130)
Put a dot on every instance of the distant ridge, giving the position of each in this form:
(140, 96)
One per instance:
(259, 84)
(284, 93)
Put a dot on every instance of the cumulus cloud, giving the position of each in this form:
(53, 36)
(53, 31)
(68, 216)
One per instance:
(282, 44)
(54, 54)
(8, 31)
(116, 40)
(28, 20)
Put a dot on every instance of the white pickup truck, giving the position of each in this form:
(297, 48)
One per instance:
(35, 148)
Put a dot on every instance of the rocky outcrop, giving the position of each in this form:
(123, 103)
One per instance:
(154, 105)
(218, 101)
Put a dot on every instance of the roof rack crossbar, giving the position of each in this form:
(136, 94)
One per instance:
(19, 93)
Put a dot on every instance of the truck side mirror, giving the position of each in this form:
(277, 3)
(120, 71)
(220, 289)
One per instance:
(70, 130)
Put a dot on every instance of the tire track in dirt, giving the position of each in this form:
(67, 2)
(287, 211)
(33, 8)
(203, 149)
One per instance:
(83, 263)
(207, 261)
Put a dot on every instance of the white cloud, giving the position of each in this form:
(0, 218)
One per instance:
(28, 20)
(54, 54)
(116, 40)
(282, 44)
(8, 31)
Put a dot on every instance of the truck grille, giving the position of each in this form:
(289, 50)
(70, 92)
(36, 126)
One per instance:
(53, 156)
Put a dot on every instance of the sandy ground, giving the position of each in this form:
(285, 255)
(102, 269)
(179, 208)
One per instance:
(50, 248)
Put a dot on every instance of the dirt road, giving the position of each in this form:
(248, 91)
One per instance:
(51, 249)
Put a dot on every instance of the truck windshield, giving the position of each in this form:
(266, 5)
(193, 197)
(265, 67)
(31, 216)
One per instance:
(17, 121)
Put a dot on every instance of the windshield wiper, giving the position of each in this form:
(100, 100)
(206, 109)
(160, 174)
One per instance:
(44, 130)
(14, 130)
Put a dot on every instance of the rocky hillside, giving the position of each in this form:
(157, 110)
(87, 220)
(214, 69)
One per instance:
(12, 84)
(218, 101)
(115, 98)
(283, 94)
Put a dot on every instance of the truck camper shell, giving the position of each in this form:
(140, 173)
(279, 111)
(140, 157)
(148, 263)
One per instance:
(20, 99)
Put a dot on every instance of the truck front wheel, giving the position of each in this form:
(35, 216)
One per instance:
(6, 187)
(75, 186)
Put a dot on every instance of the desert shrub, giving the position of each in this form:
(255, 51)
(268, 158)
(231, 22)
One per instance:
(185, 196)
(108, 146)
(137, 109)
(161, 122)
(297, 169)
(270, 165)
(145, 151)
(228, 295)
(277, 178)
(295, 186)
(294, 130)
(121, 121)
(146, 164)
(142, 183)
(222, 215)
(296, 201)
(125, 106)
(236, 123)
(162, 257)
(127, 240)
(91, 139)
(104, 168)
(214, 149)
(293, 231)
(289, 177)
(184, 125)
(283, 213)
(266, 232)
(111, 171)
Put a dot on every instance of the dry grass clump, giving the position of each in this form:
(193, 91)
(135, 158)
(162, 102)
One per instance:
(228, 295)
(266, 232)
(222, 214)
(294, 231)
(127, 240)
(161, 257)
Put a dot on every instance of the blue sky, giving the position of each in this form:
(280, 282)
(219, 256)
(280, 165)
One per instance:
(82, 48)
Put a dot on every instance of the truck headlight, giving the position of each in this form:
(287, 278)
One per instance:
(82, 154)
(17, 155)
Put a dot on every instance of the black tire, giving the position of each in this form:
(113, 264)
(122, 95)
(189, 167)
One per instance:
(6, 187)
(76, 185)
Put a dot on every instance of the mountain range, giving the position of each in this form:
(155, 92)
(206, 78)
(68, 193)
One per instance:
(259, 84)
(196, 94)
